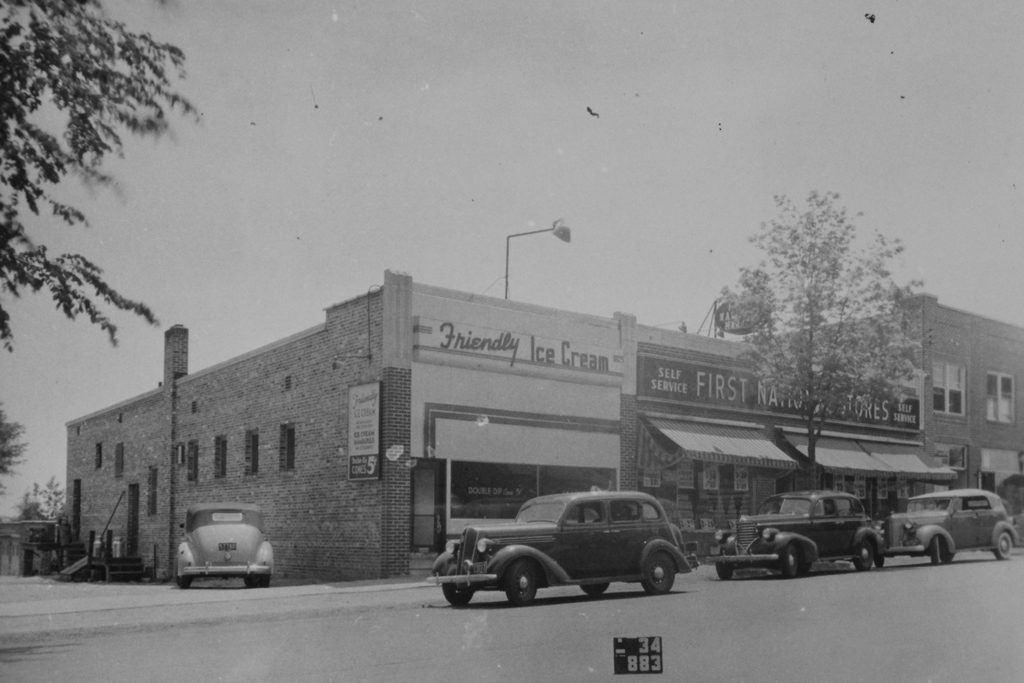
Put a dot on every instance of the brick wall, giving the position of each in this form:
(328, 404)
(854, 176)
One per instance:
(320, 523)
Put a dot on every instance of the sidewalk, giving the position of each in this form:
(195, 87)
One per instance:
(44, 605)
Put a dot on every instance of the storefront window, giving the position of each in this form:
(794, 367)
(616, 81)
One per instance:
(497, 490)
(491, 490)
(555, 479)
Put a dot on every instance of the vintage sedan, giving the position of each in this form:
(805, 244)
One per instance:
(587, 539)
(943, 523)
(794, 530)
(225, 540)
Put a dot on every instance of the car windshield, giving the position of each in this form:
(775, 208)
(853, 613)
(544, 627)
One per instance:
(786, 506)
(541, 512)
(928, 505)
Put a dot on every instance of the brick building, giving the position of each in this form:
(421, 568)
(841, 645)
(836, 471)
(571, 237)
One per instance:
(413, 410)
(973, 422)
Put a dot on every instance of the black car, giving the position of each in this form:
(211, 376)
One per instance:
(793, 530)
(586, 539)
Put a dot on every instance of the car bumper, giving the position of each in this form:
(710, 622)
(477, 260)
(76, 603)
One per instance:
(464, 579)
(760, 558)
(227, 570)
(905, 550)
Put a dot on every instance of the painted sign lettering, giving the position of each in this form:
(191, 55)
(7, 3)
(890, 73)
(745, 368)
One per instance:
(515, 347)
(683, 382)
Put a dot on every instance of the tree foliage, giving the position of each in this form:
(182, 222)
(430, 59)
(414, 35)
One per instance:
(67, 61)
(830, 326)
(11, 447)
(44, 502)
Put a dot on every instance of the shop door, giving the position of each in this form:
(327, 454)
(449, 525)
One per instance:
(132, 542)
(428, 527)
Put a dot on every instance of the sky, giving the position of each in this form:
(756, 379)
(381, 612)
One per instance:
(337, 140)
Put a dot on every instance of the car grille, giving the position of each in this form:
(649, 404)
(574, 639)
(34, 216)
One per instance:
(746, 533)
(468, 547)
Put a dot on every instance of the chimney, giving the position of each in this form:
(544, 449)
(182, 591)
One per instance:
(175, 354)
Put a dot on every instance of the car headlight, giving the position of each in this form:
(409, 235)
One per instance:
(909, 527)
(768, 533)
(721, 536)
(483, 545)
(450, 547)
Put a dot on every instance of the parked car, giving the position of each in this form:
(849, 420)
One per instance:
(941, 524)
(225, 540)
(791, 531)
(586, 539)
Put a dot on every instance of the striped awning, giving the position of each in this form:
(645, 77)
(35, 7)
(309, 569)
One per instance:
(860, 457)
(907, 461)
(843, 456)
(720, 443)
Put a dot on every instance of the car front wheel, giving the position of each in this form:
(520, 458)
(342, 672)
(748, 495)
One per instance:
(1004, 546)
(789, 562)
(184, 581)
(936, 550)
(863, 556)
(658, 575)
(724, 571)
(521, 583)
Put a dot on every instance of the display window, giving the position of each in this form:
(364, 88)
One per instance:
(496, 490)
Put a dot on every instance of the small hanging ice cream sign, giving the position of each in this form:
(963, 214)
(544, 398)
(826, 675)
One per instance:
(364, 431)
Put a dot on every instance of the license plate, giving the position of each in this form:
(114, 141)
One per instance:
(478, 568)
(227, 546)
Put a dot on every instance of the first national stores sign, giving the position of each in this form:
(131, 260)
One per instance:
(683, 382)
(364, 431)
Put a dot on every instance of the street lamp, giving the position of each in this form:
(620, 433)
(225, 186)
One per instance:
(560, 230)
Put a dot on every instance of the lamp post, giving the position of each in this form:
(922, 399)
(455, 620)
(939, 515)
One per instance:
(560, 230)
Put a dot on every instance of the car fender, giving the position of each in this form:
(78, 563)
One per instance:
(442, 563)
(185, 555)
(505, 556)
(1000, 527)
(872, 535)
(926, 533)
(660, 544)
(808, 547)
(265, 555)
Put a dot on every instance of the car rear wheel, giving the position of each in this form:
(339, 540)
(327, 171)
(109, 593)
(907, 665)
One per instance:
(521, 583)
(724, 571)
(1004, 546)
(251, 581)
(184, 581)
(936, 550)
(789, 562)
(594, 588)
(659, 573)
(863, 556)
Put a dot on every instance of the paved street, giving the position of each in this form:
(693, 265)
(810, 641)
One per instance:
(907, 622)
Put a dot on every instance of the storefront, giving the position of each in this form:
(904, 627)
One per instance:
(714, 441)
(508, 402)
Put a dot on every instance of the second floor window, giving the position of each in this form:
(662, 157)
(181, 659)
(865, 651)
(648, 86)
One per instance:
(220, 456)
(119, 460)
(999, 397)
(252, 451)
(99, 456)
(152, 492)
(287, 447)
(193, 460)
(948, 388)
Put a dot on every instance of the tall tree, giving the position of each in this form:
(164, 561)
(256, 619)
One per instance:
(830, 326)
(67, 61)
(11, 447)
